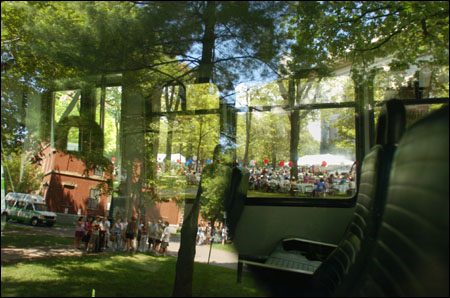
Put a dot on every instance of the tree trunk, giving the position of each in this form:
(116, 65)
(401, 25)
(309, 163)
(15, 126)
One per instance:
(168, 159)
(205, 68)
(153, 125)
(186, 253)
(295, 126)
(293, 147)
(200, 138)
(274, 156)
(170, 121)
(248, 122)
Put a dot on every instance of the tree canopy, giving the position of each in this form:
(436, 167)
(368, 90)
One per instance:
(360, 31)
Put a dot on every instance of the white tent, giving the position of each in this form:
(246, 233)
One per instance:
(174, 157)
(330, 159)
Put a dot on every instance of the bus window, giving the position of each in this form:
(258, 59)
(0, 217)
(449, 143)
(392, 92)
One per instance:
(20, 205)
(268, 124)
(40, 207)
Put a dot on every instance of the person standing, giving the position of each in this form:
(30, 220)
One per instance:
(130, 235)
(202, 234)
(79, 232)
(123, 227)
(140, 235)
(208, 234)
(143, 242)
(116, 234)
(199, 231)
(224, 234)
(151, 236)
(88, 233)
(102, 233)
(94, 241)
(107, 227)
(165, 239)
(159, 232)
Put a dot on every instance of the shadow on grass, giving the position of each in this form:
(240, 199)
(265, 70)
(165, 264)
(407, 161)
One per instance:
(116, 275)
(21, 240)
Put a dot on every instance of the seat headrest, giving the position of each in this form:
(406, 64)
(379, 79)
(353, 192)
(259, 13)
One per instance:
(391, 122)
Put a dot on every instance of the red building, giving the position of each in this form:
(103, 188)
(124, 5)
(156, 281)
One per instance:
(67, 189)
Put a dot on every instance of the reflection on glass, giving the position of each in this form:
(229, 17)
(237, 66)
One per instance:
(202, 96)
(303, 91)
(191, 97)
(67, 104)
(430, 83)
(186, 146)
(413, 112)
(113, 99)
(73, 139)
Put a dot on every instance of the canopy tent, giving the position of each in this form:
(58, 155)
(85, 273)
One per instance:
(318, 159)
(174, 157)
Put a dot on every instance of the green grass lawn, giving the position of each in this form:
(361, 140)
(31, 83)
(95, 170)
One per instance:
(27, 239)
(24, 240)
(110, 274)
(116, 275)
(8, 227)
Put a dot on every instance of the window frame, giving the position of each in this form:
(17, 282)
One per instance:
(94, 199)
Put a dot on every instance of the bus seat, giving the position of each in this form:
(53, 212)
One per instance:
(411, 255)
(235, 200)
(344, 264)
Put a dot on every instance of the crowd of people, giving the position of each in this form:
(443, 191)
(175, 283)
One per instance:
(207, 234)
(99, 234)
(271, 180)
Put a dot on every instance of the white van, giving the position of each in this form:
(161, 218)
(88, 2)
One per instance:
(28, 208)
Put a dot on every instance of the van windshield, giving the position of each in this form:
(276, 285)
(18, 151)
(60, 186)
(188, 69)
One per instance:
(40, 207)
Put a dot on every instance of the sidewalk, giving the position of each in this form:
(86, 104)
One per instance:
(218, 257)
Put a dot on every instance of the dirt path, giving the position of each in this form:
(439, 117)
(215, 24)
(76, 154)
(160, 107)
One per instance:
(10, 255)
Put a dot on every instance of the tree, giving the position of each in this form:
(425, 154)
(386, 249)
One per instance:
(215, 184)
(21, 175)
(297, 91)
(172, 101)
(360, 31)
(239, 22)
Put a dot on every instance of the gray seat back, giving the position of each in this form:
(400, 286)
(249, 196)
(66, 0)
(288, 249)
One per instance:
(337, 274)
(235, 199)
(412, 247)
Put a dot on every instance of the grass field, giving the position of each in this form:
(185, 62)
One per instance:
(117, 275)
(8, 227)
(111, 274)
(19, 240)
(27, 239)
